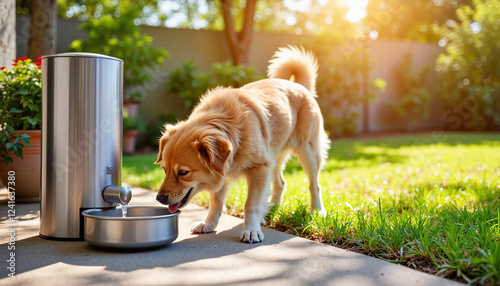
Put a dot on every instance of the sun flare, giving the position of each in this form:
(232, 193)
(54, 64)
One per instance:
(357, 10)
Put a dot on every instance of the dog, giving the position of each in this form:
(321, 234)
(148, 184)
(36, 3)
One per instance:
(251, 132)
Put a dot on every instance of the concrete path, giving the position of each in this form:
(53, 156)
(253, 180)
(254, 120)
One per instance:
(209, 259)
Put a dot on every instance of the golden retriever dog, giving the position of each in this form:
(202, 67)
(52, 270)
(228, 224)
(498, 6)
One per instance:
(251, 132)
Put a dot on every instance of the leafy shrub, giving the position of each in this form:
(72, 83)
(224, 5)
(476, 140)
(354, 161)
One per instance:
(227, 74)
(469, 71)
(20, 105)
(117, 36)
(133, 123)
(190, 84)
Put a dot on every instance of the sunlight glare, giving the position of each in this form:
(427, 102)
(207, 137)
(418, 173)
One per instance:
(357, 10)
(297, 5)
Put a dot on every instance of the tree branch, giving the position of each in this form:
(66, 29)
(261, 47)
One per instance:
(228, 22)
(239, 41)
(245, 35)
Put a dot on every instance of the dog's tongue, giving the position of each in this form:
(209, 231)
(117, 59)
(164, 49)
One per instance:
(173, 208)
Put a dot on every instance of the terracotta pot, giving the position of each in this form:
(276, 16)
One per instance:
(131, 106)
(27, 170)
(129, 138)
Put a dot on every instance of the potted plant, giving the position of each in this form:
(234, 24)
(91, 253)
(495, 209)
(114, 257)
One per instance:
(20, 122)
(132, 126)
(131, 104)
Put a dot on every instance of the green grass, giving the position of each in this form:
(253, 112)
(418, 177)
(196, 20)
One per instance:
(428, 201)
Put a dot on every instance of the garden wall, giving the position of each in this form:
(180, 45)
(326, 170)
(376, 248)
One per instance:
(205, 47)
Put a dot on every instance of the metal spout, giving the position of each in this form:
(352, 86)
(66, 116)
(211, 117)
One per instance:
(115, 194)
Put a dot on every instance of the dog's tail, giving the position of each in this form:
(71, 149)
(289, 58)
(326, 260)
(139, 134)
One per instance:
(295, 64)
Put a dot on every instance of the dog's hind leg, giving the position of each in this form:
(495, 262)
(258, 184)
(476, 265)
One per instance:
(310, 158)
(279, 182)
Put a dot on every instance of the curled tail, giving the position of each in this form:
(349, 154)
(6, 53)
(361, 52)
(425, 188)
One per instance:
(295, 64)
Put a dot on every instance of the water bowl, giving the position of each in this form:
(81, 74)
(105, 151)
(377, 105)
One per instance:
(143, 227)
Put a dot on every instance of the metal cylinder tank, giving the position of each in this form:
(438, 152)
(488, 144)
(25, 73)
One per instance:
(81, 138)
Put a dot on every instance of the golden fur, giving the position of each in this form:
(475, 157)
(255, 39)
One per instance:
(251, 132)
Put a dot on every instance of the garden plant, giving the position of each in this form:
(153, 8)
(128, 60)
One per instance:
(20, 105)
(469, 67)
(118, 36)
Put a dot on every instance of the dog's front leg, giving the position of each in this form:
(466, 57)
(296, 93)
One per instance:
(258, 183)
(215, 206)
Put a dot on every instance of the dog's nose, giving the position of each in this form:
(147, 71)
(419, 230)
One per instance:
(162, 199)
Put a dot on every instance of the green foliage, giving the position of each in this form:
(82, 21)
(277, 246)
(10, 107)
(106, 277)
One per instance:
(153, 131)
(227, 74)
(86, 10)
(190, 84)
(395, 19)
(117, 35)
(20, 105)
(341, 85)
(413, 97)
(469, 69)
(409, 20)
(133, 123)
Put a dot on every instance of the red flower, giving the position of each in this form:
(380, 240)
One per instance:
(19, 59)
(39, 62)
(1, 68)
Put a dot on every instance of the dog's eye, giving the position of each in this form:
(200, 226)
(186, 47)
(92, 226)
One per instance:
(182, 173)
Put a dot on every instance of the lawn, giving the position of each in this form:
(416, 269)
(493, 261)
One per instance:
(427, 201)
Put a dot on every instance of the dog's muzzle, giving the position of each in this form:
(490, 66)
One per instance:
(162, 199)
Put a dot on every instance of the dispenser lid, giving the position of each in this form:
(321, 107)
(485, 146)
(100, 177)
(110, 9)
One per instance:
(82, 55)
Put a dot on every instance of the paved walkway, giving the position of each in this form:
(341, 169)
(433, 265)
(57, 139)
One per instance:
(209, 259)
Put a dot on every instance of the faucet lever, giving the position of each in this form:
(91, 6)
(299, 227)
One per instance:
(115, 194)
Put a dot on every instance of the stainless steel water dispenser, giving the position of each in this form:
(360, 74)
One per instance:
(81, 140)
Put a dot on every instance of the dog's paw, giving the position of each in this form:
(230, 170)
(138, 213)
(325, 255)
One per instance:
(322, 213)
(252, 235)
(202, 227)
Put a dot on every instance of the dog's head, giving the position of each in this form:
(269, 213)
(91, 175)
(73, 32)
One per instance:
(193, 158)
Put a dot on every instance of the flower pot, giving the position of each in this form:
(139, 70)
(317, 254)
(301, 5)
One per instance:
(129, 138)
(27, 170)
(131, 106)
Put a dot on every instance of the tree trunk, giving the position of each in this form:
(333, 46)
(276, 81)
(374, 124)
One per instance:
(43, 29)
(239, 42)
(7, 32)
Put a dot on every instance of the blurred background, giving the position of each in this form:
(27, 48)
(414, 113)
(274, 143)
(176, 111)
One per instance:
(386, 66)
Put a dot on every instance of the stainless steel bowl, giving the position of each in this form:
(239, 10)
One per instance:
(143, 227)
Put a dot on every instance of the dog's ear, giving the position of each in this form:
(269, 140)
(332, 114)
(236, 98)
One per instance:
(213, 152)
(163, 141)
(168, 131)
